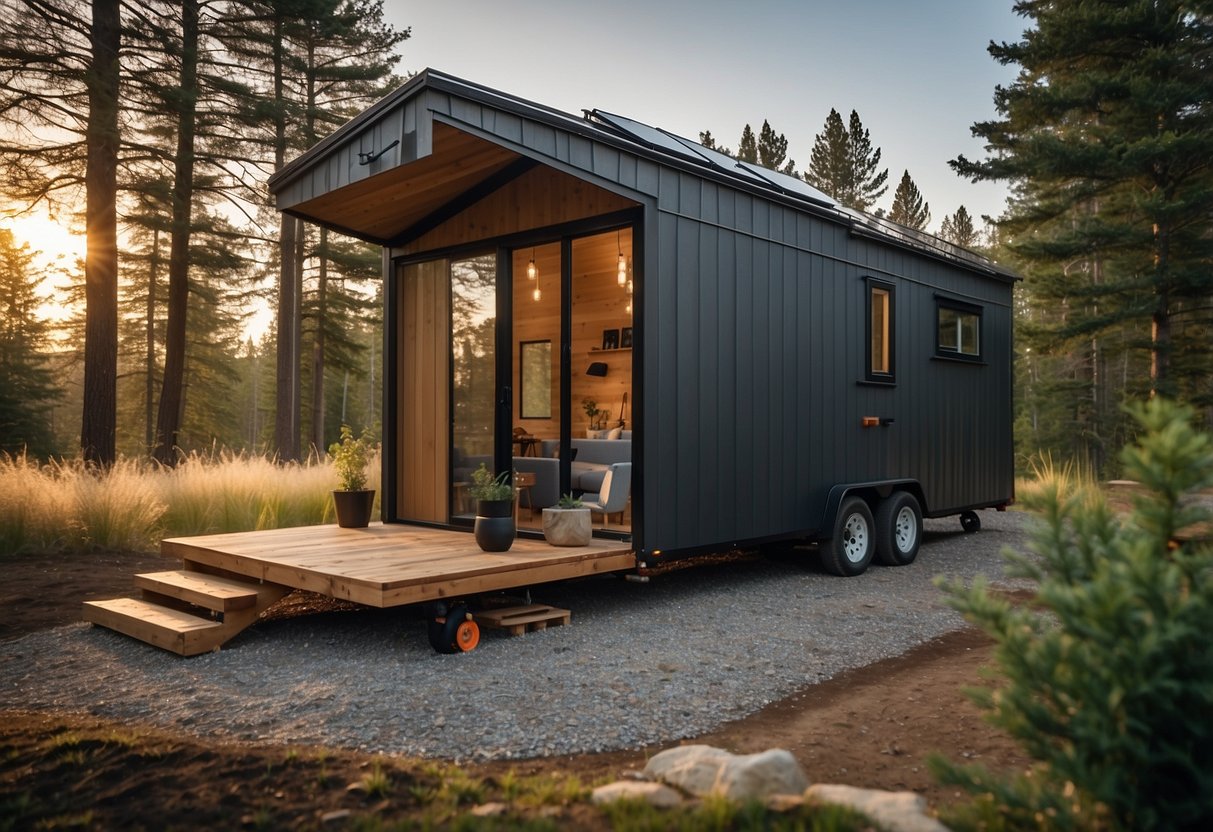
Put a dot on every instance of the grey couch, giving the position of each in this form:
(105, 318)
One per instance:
(594, 458)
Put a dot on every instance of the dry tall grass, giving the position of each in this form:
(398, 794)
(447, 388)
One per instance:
(65, 507)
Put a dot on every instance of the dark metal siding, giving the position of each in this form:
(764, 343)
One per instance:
(755, 316)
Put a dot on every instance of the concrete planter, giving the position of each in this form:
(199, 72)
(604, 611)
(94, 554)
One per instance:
(567, 526)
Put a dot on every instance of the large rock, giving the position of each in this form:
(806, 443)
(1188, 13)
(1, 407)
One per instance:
(654, 794)
(757, 776)
(692, 768)
(893, 811)
(703, 770)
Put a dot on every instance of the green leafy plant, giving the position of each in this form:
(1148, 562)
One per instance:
(350, 457)
(1108, 670)
(487, 487)
(593, 412)
(568, 501)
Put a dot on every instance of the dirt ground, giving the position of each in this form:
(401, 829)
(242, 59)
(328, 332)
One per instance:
(873, 727)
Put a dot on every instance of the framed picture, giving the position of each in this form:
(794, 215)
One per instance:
(625, 338)
(535, 380)
(610, 339)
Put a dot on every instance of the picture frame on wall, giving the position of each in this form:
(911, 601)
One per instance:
(610, 339)
(625, 338)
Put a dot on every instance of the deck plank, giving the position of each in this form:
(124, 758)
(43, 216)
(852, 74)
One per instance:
(392, 564)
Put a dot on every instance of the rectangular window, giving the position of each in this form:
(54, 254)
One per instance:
(880, 332)
(959, 330)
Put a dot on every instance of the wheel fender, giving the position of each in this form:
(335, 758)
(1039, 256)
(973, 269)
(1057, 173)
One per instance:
(877, 488)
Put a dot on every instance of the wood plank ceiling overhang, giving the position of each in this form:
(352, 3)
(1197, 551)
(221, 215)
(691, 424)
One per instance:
(383, 206)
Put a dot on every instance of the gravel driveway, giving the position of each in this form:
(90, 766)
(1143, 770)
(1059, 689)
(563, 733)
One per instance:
(641, 663)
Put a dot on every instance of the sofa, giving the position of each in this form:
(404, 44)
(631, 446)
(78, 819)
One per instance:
(593, 458)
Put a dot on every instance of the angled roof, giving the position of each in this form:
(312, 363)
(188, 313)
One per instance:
(423, 167)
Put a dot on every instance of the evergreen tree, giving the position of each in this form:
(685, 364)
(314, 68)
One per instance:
(773, 150)
(908, 206)
(747, 146)
(27, 386)
(709, 141)
(958, 229)
(1107, 134)
(844, 164)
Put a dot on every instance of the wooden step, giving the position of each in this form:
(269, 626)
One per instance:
(527, 618)
(210, 591)
(180, 632)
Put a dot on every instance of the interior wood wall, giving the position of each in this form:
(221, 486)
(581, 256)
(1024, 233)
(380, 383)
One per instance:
(539, 198)
(598, 304)
(423, 387)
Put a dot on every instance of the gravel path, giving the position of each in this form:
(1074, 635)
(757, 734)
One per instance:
(641, 663)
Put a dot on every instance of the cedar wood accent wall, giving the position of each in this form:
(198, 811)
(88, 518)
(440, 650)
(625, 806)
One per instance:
(423, 321)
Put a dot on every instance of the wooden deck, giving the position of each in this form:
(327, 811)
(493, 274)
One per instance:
(387, 565)
(228, 580)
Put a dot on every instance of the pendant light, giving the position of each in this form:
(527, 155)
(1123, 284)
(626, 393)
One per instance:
(623, 261)
(536, 294)
(532, 271)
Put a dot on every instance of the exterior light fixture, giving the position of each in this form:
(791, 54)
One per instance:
(536, 294)
(532, 271)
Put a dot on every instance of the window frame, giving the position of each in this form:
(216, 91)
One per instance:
(964, 309)
(889, 375)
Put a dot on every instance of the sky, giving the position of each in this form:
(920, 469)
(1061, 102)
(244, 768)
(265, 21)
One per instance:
(918, 72)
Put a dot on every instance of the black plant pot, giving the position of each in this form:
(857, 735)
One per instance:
(353, 508)
(494, 526)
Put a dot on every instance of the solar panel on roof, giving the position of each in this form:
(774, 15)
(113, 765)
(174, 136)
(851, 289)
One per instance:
(718, 160)
(793, 185)
(650, 136)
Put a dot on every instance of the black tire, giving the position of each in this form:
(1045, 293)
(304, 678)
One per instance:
(443, 632)
(898, 529)
(852, 545)
(970, 522)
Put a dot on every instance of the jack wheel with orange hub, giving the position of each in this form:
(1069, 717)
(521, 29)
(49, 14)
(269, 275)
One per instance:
(452, 630)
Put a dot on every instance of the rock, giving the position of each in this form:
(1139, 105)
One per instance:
(654, 794)
(692, 768)
(335, 816)
(756, 776)
(490, 810)
(702, 770)
(893, 811)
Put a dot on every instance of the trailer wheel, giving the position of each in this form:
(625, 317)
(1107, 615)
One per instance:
(851, 546)
(898, 529)
(454, 632)
(970, 522)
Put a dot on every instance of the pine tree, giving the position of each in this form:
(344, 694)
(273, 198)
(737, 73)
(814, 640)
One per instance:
(908, 206)
(27, 386)
(844, 164)
(709, 141)
(773, 150)
(747, 146)
(958, 229)
(1107, 135)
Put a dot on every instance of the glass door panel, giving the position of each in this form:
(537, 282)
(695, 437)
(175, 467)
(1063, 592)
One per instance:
(473, 327)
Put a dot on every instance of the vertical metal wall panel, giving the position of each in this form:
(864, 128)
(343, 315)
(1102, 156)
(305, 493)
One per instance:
(688, 399)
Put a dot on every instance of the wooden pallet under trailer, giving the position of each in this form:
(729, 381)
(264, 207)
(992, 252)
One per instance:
(228, 580)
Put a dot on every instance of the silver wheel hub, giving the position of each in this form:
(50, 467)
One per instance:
(905, 529)
(855, 538)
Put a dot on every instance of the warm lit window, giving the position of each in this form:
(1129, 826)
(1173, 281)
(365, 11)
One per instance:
(880, 331)
(959, 330)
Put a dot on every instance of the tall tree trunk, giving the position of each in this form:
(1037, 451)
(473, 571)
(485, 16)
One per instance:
(286, 422)
(1160, 320)
(99, 418)
(149, 387)
(168, 418)
(287, 398)
(318, 348)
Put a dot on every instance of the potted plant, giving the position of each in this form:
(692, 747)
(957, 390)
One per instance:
(494, 496)
(567, 523)
(596, 415)
(354, 500)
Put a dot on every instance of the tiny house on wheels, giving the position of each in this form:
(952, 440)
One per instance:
(712, 353)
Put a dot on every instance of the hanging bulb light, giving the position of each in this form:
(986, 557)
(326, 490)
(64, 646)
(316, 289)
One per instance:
(532, 271)
(623, 261)
(629, 287)
(536, 294)
(629, 309)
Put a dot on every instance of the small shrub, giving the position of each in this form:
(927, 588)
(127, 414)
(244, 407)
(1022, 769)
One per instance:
(487, 487)
(1109, 671)
(350, 458)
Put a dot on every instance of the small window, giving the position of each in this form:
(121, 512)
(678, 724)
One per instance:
(959, 330)
(880, 332)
